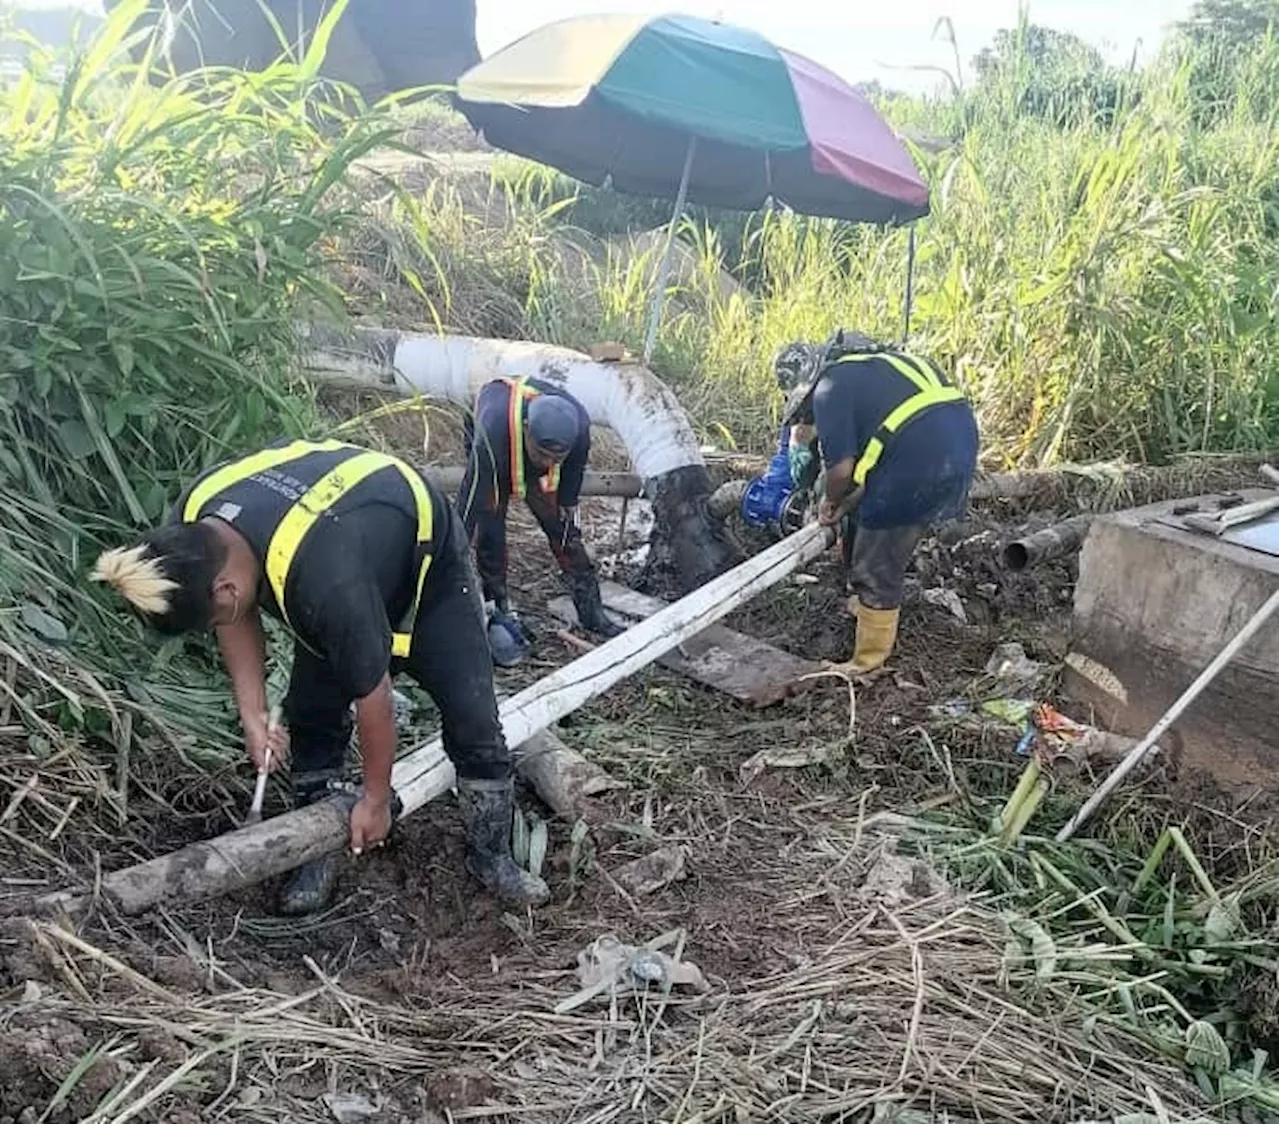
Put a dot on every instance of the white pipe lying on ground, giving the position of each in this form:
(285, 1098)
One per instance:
(626, 397)
(251, 854)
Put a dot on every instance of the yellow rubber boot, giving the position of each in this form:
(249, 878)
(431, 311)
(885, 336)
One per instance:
(877, 630)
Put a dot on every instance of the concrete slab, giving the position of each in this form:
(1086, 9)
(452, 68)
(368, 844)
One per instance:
(1153, 605)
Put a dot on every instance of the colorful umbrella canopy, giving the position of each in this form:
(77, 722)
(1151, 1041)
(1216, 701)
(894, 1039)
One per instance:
(660, 104)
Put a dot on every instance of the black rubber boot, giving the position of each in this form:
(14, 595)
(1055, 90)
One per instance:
(310, 888)
(590, 606)
(486, 817)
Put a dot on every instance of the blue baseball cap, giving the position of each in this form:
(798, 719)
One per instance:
(553, 423)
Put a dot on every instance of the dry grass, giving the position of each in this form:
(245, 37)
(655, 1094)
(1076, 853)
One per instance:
(894, 995)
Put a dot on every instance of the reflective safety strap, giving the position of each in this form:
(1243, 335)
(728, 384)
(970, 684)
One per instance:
(402, 640)
(931, 390)
(520, 393)
(289, 534)
(911, 367)
(234, 473)
(310, 506)
(896, 420)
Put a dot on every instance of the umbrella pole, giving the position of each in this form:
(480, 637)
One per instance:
(664, 266)
(911, 265)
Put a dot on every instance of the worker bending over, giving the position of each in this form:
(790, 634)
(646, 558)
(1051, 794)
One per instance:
(894, 425)
(529, 439)
(368, 566)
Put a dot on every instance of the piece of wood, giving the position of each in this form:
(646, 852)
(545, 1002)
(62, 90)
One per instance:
(563, 779)
(448, 477)
(252, 854)
(741, 666)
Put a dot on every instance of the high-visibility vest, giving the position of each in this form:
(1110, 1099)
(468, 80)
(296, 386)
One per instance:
(352, 465)
(931, 390)
(522, 392)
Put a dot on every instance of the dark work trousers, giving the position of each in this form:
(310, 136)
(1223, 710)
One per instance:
(449, 659)
(876, 562)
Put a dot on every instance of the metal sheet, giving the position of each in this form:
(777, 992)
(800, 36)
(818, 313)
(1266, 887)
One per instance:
(1262, 535)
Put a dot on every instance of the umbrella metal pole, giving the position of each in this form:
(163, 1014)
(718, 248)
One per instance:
(664, 266)
(911, 266)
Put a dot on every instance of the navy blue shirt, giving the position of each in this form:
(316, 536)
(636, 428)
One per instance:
(924, 471)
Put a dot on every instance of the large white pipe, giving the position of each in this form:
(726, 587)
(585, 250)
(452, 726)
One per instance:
(626, 397)
(251, 854)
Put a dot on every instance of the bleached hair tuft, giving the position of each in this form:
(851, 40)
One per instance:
(136, 577)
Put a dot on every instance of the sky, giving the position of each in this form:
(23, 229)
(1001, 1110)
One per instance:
(857, 39)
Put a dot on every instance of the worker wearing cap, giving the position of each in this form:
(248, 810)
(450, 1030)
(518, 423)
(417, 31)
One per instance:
(892, 424)
(529, 439)
(368, 566)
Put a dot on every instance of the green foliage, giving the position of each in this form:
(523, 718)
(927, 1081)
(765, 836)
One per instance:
(1104, 289)
(156, 241)
(1052, 75)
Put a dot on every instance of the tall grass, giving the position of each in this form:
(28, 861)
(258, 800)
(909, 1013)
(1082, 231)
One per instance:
(157, 237)
(1105, 284)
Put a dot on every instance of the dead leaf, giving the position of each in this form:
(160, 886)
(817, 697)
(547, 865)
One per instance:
(757, 763)
(653, 871)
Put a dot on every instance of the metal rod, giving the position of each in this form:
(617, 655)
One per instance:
(1139, 751)
(664, 266)
(911, 267)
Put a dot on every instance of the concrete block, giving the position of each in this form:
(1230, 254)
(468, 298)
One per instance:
(1153, 605)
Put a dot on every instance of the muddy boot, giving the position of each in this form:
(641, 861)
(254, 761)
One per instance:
(589, 605)
(309, 888)
(873, 640)
(486, 817)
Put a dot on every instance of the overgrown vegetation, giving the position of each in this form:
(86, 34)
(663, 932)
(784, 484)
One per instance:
(1104, 281)
(155, 243)
(1099, 267)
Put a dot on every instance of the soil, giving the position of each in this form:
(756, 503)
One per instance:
(408, 925)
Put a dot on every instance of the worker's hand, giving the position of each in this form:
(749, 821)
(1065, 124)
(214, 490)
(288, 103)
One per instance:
(829, 514)
(370, 823)
(259, 737)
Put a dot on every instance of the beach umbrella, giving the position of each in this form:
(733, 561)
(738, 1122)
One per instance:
(680, 107)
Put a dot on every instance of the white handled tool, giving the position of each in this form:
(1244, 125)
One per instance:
(260, 789)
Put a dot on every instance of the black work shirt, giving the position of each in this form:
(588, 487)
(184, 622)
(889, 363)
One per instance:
(352, 579)
(490, 438)
(926, 465)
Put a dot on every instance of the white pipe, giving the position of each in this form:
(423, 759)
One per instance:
(1139, 751)
(208, 868)
(416, 778)
(664, 266)
(626, 397)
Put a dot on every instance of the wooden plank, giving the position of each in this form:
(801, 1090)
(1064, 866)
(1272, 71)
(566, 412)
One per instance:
(748, 669)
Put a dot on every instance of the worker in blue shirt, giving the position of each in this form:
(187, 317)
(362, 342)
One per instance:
(891, 423)
(528, 439)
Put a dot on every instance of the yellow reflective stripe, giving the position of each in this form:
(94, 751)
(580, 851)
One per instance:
(301, 517)
(550, 481)
(237, 471)
(515, 437)
(895, 421)
(922, 376)
(401, 642)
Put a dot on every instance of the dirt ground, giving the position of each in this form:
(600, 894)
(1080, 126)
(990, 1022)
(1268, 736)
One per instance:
(837, 978)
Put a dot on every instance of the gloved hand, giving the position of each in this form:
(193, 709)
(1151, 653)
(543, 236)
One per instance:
(495, 597)
(589, 606)
(799, 459)
(509, 639)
